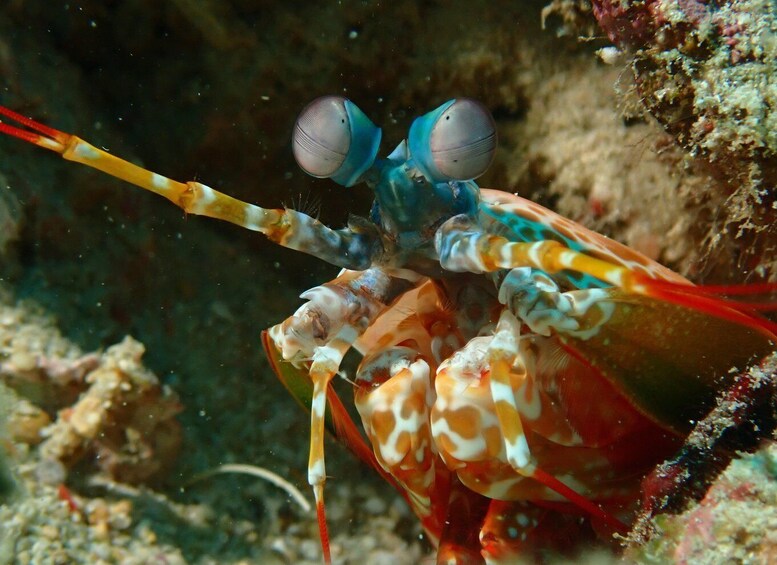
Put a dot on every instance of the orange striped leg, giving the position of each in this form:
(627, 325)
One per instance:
(534, 297)
(510, 371)
(463, 247)
(326, 363)
(394, 398)
(289, 228)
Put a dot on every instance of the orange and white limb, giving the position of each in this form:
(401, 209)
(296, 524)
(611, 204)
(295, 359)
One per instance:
(321, 332)
(347, 248)
(490, 410)
(394, 396)
(535, 299)
(463, 246)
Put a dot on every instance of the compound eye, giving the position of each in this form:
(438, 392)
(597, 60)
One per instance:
(322, 136)
(463, 140)
(457, 141)
(334, 139)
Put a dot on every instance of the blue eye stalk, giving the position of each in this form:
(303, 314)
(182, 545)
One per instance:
(424, 180)
(334, 139)
(457, 141)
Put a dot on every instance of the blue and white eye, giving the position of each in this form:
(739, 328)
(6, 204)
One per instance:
(457, 141)
(334, 139)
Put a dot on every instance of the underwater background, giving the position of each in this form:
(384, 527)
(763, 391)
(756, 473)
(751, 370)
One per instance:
(665, 141)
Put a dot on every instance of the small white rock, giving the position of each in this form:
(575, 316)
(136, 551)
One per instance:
(609, 55)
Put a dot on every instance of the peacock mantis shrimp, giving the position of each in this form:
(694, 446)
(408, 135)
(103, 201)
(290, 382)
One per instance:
(517, 369)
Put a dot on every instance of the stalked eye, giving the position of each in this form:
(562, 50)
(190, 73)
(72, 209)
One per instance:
(334, 139)
(457, 141)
